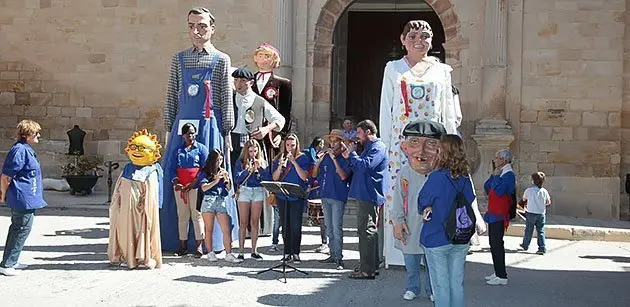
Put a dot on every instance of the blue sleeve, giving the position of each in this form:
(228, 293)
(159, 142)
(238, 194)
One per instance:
(201, 176)
(160, 174)
(15, 161)
(203, 154)
(304, 162)
(372, 159)
(345, 166)
(265, 175)
(504, 185)
(427, 195)
(239, 173)
(488, 184)
(274, 166)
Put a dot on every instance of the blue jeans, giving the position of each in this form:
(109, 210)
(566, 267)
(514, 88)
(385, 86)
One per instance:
(537, 220)
(446, 267)
(276, 226)
(333, 219)
(21, 224)
(415, 275)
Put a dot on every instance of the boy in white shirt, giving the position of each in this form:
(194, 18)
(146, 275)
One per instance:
(537, 200)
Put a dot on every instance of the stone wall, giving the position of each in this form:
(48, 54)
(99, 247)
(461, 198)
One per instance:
(570, 115)
(103, 64)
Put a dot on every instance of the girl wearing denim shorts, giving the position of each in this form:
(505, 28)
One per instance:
(248, 173)
(215, 183)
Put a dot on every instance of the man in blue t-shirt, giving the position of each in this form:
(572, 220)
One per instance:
(369, 179)
(333, 175)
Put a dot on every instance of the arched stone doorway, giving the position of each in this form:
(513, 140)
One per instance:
(321, 55)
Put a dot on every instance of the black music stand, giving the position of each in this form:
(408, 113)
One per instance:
(286, 189)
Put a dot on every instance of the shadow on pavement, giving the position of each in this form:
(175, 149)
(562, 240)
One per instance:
(86, 233)
(76, 257)
(77, 266)
(52, 211)
(202, 279)
(76, 248)
(528, 287)
(613, 258)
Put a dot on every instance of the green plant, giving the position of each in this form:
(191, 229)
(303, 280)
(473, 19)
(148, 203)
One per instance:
(89, 165)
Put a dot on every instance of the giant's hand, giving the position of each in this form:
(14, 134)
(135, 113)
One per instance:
(401, 231)
(261, 132)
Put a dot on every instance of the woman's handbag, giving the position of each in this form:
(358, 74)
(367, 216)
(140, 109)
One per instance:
(271, 200)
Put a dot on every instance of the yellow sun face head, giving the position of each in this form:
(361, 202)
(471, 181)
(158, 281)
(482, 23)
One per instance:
(143, 148)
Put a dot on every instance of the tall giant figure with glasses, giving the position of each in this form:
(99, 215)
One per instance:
(199, 92)
(415, 87)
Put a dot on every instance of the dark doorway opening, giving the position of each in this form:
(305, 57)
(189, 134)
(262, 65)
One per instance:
(364, 42)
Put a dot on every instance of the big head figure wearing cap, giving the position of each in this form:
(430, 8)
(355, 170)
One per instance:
(421, 143)
(243, 80)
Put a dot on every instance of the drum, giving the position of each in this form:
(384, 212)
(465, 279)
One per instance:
(315, 212)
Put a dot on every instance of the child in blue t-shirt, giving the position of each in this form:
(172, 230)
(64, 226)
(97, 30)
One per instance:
(215, 184)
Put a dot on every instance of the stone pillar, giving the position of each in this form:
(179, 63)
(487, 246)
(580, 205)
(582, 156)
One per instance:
(492, 132)
(285, 44)
(491, 136)
(494, 60)
(284, 36)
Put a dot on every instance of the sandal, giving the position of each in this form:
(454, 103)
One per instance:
(361, 275)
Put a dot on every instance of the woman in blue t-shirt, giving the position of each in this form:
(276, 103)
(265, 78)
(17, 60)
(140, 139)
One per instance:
(446, 261)
(249, 171)
(215, 184)
(291, 166)
(21, 190)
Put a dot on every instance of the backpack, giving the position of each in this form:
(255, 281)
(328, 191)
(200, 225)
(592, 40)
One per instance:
(461, 222)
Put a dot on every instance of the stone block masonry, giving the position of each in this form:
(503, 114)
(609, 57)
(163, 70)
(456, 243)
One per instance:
(572, 104)
(103, 65)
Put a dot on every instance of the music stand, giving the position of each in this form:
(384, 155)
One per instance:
(286, 189)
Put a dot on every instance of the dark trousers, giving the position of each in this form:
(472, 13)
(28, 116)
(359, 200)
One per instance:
(496, 231)
(276, 225)
(291, 213)
(21, 224)
(367, 215)
(322, 233)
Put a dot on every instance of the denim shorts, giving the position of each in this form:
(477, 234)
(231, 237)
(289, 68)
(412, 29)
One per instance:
(213, 204)
(248, 194)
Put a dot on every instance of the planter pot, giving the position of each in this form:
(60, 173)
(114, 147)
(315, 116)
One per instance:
(81, 184)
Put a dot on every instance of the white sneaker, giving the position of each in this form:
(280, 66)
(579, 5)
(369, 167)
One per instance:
(9, 271)
(489, 277)
(212, 257)
(432, 298)
(409, 296)
(231, 258)
(20, 266)
(497, 281)
(324, 249)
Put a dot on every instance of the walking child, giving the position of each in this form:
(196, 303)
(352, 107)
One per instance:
(536, 199)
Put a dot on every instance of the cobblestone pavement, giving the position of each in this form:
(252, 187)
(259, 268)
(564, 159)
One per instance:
(68, 267)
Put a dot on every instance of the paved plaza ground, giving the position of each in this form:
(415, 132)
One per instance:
(68, 267)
